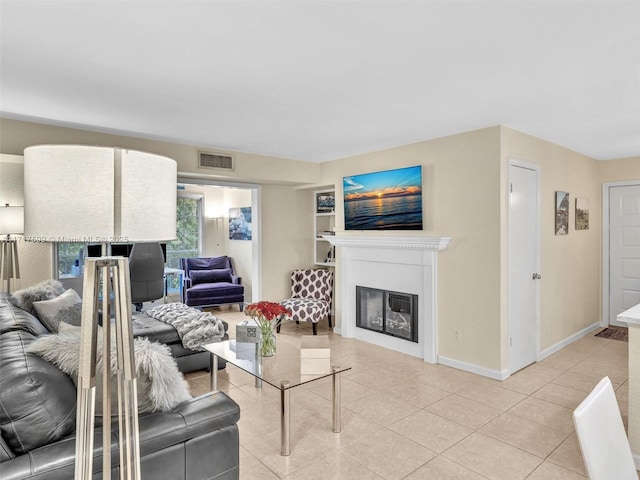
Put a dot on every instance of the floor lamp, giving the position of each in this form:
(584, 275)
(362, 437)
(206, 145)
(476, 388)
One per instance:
(105, 195)
(11, 223)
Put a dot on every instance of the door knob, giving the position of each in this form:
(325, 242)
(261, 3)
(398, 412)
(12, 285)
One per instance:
(537, 276)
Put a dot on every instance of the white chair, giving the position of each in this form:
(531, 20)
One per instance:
(602, 438)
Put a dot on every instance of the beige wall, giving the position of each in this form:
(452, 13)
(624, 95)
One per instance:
(281, 203)
(620, 170)
(461, 179)
(16, 135)
(287, 238)
(569, 264)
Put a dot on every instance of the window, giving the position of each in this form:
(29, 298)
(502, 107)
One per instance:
(188, 230)
(70, 259)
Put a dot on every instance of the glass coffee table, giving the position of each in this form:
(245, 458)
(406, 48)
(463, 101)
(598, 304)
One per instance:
(281, 371)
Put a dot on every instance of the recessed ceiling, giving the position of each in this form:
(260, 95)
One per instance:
(321, 80)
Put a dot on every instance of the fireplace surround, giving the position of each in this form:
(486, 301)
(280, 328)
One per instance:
(396, 264)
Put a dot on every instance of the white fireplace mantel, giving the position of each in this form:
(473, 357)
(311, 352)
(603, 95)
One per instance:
(405, 264)
(375, 241)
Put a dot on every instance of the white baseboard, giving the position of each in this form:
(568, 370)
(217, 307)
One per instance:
(470, 367)
(337, 330)
(568, 341)
(636, 460)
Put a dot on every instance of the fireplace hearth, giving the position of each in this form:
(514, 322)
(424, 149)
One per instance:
(387, 312)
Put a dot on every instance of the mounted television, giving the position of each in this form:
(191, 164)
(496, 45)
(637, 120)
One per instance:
(387, 200)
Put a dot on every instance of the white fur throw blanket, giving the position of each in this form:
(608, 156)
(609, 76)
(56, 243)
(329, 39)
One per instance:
(194, 327)
(161, 386)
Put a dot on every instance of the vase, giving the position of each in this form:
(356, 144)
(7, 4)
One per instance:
(267, 342)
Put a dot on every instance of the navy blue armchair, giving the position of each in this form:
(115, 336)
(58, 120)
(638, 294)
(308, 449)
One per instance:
(211, 281)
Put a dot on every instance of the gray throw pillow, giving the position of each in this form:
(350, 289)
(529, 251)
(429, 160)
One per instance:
(65, 308)
(42, 291)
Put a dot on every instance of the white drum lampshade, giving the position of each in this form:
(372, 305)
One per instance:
(11, 220)
(77, 193)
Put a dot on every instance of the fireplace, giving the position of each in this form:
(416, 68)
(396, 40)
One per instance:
(386, 312)
(393, 264)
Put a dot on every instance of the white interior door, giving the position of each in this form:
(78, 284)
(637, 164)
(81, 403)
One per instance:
(624, 249)
(523, 297)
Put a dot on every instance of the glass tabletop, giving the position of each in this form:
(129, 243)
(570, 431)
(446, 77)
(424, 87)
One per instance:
(284, 366)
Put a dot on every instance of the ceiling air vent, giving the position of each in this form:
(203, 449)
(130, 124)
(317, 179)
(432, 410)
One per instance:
(215, 160)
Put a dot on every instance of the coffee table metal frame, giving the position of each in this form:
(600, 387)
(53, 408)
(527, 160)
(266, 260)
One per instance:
(253, 366)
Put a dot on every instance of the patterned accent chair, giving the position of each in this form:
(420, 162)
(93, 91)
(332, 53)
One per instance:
(311, 295)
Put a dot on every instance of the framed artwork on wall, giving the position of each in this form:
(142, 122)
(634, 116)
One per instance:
(240, 223)
(562, 213)
(582, 214)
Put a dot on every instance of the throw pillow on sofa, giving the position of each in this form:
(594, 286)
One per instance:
(210, 276)
(42, 291)
(65, 308)
(161, 386)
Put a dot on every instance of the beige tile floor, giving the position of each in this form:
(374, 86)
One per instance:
(403, 418)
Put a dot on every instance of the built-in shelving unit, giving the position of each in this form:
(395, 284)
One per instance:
(324, 223)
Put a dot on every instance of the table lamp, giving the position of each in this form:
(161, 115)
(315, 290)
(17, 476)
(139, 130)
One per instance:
(11, 223)
(76, 193)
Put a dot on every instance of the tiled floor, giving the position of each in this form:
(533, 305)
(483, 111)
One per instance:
(406, 419)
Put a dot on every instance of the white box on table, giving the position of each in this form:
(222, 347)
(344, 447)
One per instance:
(315, 355)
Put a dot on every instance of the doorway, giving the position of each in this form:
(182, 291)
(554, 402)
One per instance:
(221, 200)
(523, 265)
(621, 256)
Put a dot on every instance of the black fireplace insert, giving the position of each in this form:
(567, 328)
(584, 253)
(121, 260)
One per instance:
(387, 312)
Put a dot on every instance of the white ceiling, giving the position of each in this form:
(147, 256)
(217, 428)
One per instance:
(320, 80)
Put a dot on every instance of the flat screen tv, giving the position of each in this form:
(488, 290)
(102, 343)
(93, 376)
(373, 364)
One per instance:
(387, 200)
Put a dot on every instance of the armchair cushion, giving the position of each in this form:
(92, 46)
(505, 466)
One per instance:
(211, 276)
(207, 263)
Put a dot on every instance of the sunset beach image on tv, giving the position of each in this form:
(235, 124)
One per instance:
(388, 200)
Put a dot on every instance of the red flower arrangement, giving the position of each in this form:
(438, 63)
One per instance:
(268, 315)
(267, 311)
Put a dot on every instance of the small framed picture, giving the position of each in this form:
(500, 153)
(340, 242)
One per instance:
(562, 213)
(582, 214)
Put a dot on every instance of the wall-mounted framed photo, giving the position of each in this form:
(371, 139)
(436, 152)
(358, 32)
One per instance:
(582, 214)
(562, 213)
(240, 223)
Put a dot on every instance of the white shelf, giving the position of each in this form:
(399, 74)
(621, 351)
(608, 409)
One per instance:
(323, 222)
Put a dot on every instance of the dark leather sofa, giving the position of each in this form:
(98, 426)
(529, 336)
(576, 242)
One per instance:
(198, 439)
